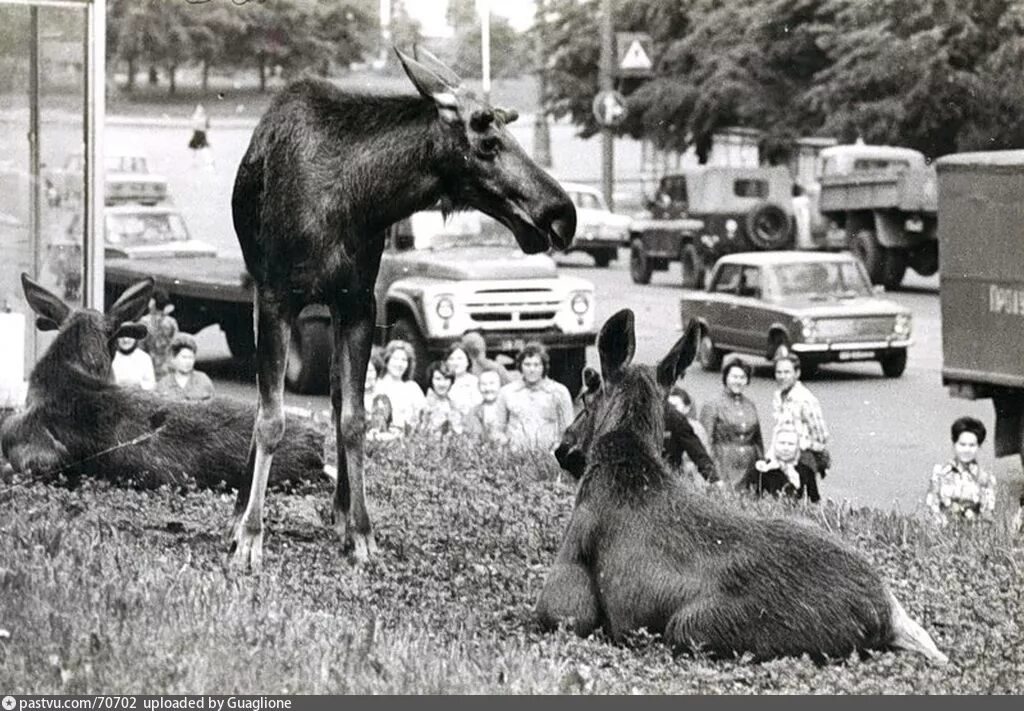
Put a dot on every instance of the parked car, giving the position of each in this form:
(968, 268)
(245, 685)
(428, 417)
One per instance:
(128, 180)
(704, 213)
(820, 306)
(599, 231)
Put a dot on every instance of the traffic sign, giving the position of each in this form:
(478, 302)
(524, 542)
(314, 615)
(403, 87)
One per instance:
(634, 54)
(609, 108)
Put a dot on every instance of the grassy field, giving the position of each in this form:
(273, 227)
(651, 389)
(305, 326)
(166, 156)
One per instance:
(108, 590)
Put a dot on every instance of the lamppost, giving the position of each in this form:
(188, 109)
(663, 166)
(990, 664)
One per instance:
(484, 8)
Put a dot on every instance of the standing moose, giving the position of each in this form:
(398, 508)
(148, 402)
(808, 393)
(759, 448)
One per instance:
(326, 173)
(644, 551)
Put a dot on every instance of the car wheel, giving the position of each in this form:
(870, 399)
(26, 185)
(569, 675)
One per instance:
(567, 368)
(309, 357)
(692, 265)
(769, 227)
(866, 248)
(405, 329)
(639, 264)
(894, 363)
(603, 258)
(894, 266)
(708, 354)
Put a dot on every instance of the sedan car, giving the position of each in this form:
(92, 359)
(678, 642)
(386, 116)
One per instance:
(599, 231)
(820, 306)
(128, 180)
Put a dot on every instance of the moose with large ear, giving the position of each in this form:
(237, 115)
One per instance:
(646, 551)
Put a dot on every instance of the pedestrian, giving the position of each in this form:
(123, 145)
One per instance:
(961, 489)
(439, 415)
(476, 348)
(733, 425)
(184, 382)
(161, 329)
(686, 440)
(486, 421)
(465, 392)
(793, 403)
(782, 471)
(132, 366)
(396, 382)
(538, 410)
(200, 142)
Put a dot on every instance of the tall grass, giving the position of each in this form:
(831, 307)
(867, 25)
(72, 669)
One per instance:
(108, 590)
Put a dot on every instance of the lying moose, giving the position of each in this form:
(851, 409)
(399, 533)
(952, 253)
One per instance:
(79, 422)
(644, 551)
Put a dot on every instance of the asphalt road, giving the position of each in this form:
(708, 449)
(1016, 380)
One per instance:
(886, 434)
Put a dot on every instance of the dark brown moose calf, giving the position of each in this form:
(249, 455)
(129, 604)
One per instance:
(645, 551)
(78, 422)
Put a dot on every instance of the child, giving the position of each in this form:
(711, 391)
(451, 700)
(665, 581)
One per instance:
(784, 470)
(487, 419)
(374, 369)
(960, 489)
(162, 329)
(381, 428)
(132, 366)
(184, 382)
(439, 416)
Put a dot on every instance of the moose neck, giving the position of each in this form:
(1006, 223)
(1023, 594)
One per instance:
(70, 364)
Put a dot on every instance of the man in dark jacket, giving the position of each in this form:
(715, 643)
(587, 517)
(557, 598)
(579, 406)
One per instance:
(681, 438)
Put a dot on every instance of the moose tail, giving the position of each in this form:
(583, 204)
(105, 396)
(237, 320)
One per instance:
(908, 634)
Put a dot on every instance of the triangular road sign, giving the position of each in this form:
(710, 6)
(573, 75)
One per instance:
(635, 57)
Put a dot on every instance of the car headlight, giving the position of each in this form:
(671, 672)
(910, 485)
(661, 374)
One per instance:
(901, 325)
(809, 328)
(730, 228)
(445, 307)
(580, 304)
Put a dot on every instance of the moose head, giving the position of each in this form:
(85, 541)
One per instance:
(626, 395)
(486, 168)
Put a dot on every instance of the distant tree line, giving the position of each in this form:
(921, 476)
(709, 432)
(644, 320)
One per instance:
(937, 75)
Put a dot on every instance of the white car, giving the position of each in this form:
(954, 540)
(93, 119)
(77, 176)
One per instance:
(599, 231)
(127, 180)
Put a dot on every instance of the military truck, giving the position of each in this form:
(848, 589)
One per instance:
(880, 203)
(981, 210)
(438, 279)
(699, 215)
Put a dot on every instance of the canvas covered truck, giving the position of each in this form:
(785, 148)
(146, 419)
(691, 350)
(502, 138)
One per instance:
(880, 203)
(981, 210)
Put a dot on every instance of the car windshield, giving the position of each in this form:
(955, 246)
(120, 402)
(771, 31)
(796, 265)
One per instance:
(462, 229)
(822, 280)
(588, 201)
(137, 230)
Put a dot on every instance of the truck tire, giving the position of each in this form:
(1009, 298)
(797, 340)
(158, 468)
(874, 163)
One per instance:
(925, 259)
(309, 358)
(894, 267)
(866, 248)
(894, 363)
(639, 264)
(405, 329)
(603, 257)
(567, 368)
(769, 227)
(708, 354)
(692, 266)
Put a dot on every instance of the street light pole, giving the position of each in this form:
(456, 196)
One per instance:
(484, 7)
(541, 134)
(607, 83)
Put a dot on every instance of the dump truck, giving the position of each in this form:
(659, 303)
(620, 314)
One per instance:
(981, 214)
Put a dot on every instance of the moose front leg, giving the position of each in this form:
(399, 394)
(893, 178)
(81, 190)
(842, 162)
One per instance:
(353, 340)
(273, 329)
(569, 595)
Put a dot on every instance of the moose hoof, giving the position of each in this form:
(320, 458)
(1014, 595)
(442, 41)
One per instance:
(364, 547)
(247, 551)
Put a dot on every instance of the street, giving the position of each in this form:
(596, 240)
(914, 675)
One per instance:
(886, 434)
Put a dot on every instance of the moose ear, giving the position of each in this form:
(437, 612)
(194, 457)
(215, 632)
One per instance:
(673, 366)
(51, 311)
(437, 66)
(132, 303)
(616, 344)
(431, 86)
(138, 331)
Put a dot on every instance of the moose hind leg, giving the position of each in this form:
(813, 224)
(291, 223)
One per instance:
(353, 339)
(272, 334)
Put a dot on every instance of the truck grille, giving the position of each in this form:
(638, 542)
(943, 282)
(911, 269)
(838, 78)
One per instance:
(522, 307)
(860, 328)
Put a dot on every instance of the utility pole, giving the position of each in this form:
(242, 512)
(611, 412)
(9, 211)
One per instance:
(541, 134)
(484, 7)
(607, 83)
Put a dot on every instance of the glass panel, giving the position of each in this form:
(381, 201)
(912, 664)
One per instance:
(41, 187)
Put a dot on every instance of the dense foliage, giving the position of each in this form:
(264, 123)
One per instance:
(113, 591)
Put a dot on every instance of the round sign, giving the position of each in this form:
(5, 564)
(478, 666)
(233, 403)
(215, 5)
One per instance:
(609, 108)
